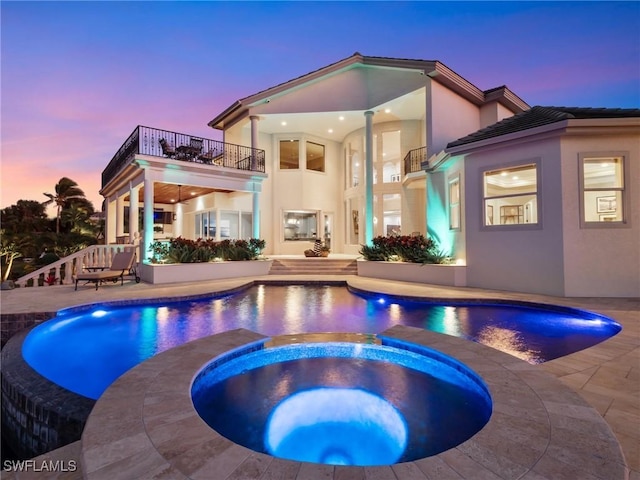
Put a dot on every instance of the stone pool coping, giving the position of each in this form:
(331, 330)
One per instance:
(145, 425)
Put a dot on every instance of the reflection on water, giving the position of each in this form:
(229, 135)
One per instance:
(508, 341)
(106, 345)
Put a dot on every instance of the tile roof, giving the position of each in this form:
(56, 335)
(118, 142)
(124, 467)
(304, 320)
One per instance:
(538, 116)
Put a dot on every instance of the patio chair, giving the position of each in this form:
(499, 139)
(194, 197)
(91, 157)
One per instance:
(167, 150)
(196, 144)
(212, 157)
(121, 265)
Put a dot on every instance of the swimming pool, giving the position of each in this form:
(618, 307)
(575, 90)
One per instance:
(85, 350)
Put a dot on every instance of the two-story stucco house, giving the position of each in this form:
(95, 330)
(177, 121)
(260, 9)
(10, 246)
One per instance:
(541, 200)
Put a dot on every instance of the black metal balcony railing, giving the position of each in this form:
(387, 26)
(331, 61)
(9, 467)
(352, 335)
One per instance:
(414, 159)
(183, 147)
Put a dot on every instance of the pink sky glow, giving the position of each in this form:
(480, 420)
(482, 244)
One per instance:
(78, 77)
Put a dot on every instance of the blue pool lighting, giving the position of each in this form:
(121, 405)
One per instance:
(342, 403)
(85, 349)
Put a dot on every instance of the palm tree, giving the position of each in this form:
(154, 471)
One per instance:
(66, 190)
(76, 216)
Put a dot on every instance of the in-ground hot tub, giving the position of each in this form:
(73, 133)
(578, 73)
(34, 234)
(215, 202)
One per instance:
(342, 403)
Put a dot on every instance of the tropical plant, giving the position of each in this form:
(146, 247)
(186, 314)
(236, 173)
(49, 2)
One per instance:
(67, 191)
(77, 217)
(25, 217)
(182, 250)
(9, 252)
(413, 249)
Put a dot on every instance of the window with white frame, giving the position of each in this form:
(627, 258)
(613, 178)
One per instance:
(454, 204)
(233, 224)
(602, 184)
(315, 156)
(205, 224)
(289, 154)
(300, 225)
(511, 196)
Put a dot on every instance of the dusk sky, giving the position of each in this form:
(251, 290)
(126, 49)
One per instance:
(78, 77)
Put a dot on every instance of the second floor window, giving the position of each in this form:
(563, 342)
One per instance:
(289, 154)
(315, 157)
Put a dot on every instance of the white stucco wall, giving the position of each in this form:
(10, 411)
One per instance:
(492, 113)
(516, 258)
(451, 117)
(303, 189)
(604, 261)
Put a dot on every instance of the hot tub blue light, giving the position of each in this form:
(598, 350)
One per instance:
(337, 426)
(342, 403)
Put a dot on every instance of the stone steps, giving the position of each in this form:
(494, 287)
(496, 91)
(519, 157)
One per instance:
(314, 266)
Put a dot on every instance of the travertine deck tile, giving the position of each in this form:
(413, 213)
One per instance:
(280, 469)
(606, 375)
(435, 468)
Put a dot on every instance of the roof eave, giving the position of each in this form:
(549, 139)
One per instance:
(509, 137)
(505, 96)
(447, 77)
(219, 121)
(434, 69)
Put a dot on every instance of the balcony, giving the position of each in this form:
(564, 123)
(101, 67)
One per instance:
(183, 147)
(414, 159)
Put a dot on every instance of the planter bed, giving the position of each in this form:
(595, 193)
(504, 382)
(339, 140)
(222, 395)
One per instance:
(194, 272)
(449, 275)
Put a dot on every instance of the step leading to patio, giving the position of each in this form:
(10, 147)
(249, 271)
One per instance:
(314, 266)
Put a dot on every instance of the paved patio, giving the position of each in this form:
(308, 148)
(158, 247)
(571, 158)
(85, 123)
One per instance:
(607, 375)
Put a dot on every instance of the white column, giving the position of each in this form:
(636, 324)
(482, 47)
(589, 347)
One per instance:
(254, 140)
(148, 219)
(134, 205)
(119, 216)
(254, 131)
(368, 178)
(109, 221)
(256, 215)
(256, 195)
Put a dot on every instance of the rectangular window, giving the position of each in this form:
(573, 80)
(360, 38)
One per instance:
(602, 182)
(289, 154)
(391, 156)
(229, 224)
(353, 164)
(300, 225)
(246, 225)
(511, 196)
(315, 157)
(391, 208)
(454, 204)
(212, 224)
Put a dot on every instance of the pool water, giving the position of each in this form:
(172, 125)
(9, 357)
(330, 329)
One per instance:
(85, 350)
(342, 404)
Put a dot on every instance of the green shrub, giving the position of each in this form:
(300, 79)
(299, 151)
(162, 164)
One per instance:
(46, 259)
(182, 250)
(413, 249)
